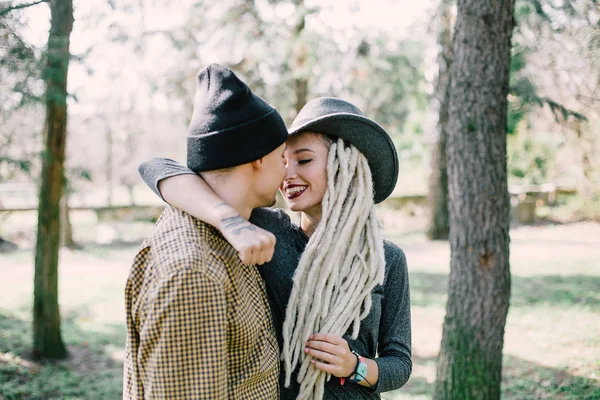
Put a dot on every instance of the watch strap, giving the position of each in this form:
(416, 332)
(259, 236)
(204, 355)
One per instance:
(360, 372)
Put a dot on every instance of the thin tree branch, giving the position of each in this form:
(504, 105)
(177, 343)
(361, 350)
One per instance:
(20, 6)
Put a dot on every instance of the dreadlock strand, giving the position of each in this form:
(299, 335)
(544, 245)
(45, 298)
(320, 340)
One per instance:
(295, 312)
(328, 273)
(333, 284)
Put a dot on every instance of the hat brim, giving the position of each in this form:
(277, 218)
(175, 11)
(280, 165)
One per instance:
(368, 137)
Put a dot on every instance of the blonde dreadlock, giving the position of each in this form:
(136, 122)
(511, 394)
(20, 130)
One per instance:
(342, 263)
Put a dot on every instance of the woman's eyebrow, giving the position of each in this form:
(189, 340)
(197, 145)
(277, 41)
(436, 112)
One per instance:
(302, 150)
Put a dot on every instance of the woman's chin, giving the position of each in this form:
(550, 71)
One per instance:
(309, 209)
(293, 206)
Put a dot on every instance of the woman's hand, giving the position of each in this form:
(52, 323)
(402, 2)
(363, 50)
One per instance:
(331, 354)
(253, 244)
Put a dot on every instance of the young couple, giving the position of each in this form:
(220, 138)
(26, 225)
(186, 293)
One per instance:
(330, 298)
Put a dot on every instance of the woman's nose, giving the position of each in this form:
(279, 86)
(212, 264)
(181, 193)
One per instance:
(291, 173)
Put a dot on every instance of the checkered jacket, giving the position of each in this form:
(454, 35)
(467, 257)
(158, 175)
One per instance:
(198, 320)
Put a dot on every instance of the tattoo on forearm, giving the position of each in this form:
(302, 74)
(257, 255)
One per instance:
(249, 227)
(221, 205)
(236, 224)
(231, 222)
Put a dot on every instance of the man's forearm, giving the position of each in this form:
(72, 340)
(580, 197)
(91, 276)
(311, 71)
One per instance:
(193, 195)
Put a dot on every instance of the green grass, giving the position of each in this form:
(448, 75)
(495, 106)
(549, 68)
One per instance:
(522, 380)
(582, 291)
(552, 345)
(89, 373)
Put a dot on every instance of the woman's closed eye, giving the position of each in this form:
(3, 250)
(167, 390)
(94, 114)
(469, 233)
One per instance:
(305, 161)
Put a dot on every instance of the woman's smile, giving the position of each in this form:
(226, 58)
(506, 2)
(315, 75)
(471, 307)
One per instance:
(294, 191)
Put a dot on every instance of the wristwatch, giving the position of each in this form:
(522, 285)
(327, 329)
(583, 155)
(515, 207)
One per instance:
(360, 372)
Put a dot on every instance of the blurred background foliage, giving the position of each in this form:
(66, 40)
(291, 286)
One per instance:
(131, 85)
(134, 63)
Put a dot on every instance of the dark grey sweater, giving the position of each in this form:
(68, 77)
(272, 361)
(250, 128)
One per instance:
(385, 334)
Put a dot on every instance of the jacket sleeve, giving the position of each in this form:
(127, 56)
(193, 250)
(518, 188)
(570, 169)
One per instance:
(157, 169)
(394, 348)
(185, 339)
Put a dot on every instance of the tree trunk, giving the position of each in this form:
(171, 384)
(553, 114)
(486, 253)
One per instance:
(66, 227)
(470, 361)
(47, 341)
(586, 146)
(438, 224)
(299, 59)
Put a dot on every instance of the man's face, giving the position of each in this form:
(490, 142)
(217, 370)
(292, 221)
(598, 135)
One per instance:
(271, 176)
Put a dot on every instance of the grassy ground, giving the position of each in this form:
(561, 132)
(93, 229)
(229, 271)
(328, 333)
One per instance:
(552, 348)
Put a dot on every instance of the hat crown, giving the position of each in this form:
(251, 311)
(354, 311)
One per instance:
(339, 119)
(230, 125)
(223, 101)
(324, 106)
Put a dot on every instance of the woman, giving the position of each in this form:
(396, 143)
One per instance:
(338, 292)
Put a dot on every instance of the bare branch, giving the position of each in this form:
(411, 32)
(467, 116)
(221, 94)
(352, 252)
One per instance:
(8, 9)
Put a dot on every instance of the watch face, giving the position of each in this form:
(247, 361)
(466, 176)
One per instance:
(361, 370)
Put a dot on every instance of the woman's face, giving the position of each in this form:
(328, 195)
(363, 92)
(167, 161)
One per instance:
(306, 181)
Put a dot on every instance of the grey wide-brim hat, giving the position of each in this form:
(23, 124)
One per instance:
(338, 118)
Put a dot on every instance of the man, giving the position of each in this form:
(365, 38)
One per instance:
(198, 320)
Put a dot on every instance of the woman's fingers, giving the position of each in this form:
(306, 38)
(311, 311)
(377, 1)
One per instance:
(328, 337)
(332, 369)
(324, 346)
(323, 355)
(332, 354)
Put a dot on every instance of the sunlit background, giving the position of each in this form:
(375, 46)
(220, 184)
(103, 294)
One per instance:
(131, 84)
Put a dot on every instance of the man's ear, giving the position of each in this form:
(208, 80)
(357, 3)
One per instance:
(258, 165)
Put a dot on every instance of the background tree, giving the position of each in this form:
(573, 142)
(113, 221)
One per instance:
(438, 221)
(534, 20)
(299, 59)
(17, 60)
(20, 96)
(47, 340)
(470, 360)
(551, 84)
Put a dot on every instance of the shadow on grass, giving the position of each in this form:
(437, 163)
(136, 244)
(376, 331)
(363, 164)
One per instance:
(429, 289)
(91, 371)
(521, 380)
(525, 380)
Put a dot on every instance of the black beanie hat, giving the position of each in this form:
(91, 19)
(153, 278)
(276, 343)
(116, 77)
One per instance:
(230, 125)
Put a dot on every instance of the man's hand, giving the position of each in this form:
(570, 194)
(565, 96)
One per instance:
(254, 245)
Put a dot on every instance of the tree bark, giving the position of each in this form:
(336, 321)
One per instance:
(438, 224)
(470, 360)
(66, 227)
(47, 340)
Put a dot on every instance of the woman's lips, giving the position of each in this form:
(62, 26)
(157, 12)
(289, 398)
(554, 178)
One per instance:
(291, 192)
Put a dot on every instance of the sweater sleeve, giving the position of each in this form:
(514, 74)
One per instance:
(157, 169)
(394, 348)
